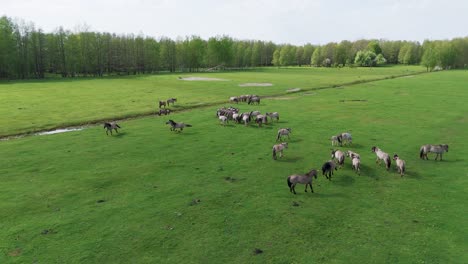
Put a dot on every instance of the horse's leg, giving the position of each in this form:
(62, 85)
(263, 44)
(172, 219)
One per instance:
(306, 187)
(116, 131)
(294, 188)
(311, 189)
(441, 156)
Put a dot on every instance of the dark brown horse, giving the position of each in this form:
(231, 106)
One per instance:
(162, 103)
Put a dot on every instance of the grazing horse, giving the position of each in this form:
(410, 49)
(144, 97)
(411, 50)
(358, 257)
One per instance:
(162, 103)
(273, 115)
(246, 118)
(279, 148)
(382, 156)
(175, 125)
(111, 125)
(344, 138)
(327, 168)
(401, 165)
(164, 112)
(339, 156)
(304, 179)
(171, 100)
(260, 119)
(283, 132)
(253, 100)
(438, 149)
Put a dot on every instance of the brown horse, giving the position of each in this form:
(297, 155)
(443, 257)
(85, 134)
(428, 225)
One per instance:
(304, 179)
(162, 103)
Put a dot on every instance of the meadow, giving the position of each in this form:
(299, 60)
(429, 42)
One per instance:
(213, 194)
(28, 106)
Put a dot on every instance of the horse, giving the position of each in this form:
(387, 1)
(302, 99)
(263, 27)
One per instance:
(356, 164)
(352, 154)
(339, 156)
(304, 179)
(164, 112)
(246, 118)
(261, 119)
(234, 99)
(162, 103)
(111, 125)
(171, 100)
(223, 120)
(343, 138)
(401, 165)
(382, 156)
(279, 148)
(253, 100)
(438, 149)
(283, 132)
(273, 115)
(175, 125)
(327, 168)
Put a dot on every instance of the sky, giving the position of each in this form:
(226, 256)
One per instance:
(293, 21)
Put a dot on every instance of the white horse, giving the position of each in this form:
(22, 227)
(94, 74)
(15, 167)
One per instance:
(401, 165)
(382, 156)
(339, 156)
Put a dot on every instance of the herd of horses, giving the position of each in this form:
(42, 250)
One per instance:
(337, 156)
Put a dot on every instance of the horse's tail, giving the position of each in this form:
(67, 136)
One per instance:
(187, 125)
(388, 162)
(274, 153)
(289, 182)
(324, 168)
(279, 136)
(117, 125)
(421, 152)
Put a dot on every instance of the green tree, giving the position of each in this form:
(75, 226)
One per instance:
(276, 58)
(316, 58)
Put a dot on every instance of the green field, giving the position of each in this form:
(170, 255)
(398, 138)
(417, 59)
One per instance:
(84, 197)
(27, 106)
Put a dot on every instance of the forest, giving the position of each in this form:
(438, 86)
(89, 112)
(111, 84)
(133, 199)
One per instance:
(28, 52)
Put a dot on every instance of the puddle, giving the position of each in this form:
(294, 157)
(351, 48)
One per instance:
(57, 131)
(255, 84)
(292, 90)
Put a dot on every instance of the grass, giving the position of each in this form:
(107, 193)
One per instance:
(28, 106)
(213, 194)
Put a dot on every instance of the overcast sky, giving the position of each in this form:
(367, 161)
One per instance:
(292, 21)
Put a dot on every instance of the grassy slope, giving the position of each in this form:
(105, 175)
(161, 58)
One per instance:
(148, 176)
(37, 105)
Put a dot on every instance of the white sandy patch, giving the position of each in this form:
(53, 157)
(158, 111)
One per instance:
(201, 79)
(292, 90)
(57, 131)
(255, 84)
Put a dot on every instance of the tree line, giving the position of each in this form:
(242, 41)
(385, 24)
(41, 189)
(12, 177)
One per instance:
(28, 52)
